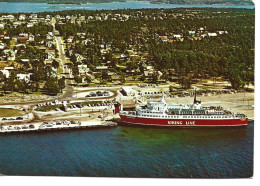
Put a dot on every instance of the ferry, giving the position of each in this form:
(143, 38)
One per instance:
(159, 113)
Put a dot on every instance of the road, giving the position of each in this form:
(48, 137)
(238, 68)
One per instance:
(65, 70)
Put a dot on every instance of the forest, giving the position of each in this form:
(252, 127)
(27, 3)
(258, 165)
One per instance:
(230, 56)
(192, 57)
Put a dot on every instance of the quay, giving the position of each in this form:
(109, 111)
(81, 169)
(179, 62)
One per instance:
(63, 125)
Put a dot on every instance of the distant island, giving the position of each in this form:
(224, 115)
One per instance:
(205, 2)
(189, 2)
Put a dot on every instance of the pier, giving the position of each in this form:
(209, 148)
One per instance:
(51, 126)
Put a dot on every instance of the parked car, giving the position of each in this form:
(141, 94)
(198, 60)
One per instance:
(42, 126)
(24, 127)
(17, 128)
(92, 94)
(19, 118)
(66, 122)
(31, 126)
(106, 93)
(4, 119)
(58, 123)
(99, 93)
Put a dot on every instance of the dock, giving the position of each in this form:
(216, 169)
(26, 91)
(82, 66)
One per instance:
(52, 126)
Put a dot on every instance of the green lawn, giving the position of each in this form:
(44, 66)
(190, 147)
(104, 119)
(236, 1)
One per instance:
(6, 112)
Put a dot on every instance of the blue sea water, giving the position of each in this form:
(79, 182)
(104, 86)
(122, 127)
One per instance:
(131, 152)
(43, 7)
(127, 151)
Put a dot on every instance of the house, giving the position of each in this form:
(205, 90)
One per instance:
(116, 78)
(178, 36)
(51, 55)
(79, 58)
(83, 69)
(33, 16)
(29, 25)
(163, 38)
(101, 68)
(24, 77)
(70, 39)
(10, 17)
(6, 73)
(98, 18)
(148, 74)
(48, 62)
(2, 25)
(212, 34)
(82, 18)
(49, 37)
(9, 54)
(49, 44)
(23, 38)
(25, 60)
(16, 24)
(2, 46)
(31, 38)
(9, 68)
(191, 33)
(22, 17)
(222, 32)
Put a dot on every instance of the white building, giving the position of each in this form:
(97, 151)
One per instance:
(6, 73)
(22, 17)
(212, 34)
(128, 91)
(2, 26)
(25, 77)
(2, 46)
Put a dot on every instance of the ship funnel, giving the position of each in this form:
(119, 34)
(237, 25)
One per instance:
(195, 98)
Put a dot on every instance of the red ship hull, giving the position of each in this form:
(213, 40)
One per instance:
(184, 122)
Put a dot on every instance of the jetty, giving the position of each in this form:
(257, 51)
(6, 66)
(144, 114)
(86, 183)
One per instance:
(51, 126)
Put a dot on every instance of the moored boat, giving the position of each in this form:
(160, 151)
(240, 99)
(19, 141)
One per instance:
(159, 113)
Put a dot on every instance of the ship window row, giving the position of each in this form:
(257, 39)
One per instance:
(163, 116)
(160, 116)
(206, 117)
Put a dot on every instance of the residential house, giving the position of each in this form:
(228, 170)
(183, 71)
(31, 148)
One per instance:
(212, 34)
(9, 55)
(2, 46)
(102, 68)
(24, 77)
(22, 17)
(2, 25)
(6, 73)
(23, 38)
(83, 69)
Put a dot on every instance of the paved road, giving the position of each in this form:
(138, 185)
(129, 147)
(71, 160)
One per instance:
(66, 70)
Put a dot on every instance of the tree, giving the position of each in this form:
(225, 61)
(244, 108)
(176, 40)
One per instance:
(61, 83)
(51, 86)
(235, 79)
(185, 82)
(55, 64)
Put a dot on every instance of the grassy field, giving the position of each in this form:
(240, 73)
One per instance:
(6, 112)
